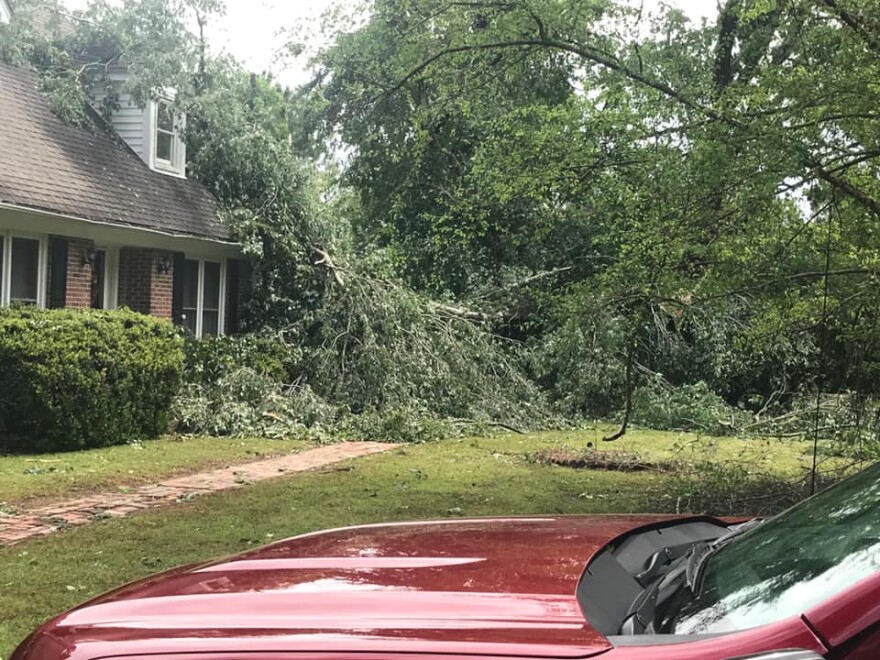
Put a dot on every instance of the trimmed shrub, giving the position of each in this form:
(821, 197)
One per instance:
(82, 379)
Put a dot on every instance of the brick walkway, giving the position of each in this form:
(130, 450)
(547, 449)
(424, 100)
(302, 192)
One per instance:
(45, 520)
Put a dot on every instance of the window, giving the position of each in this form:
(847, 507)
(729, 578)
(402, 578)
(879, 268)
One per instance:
(202, 303)
(191, 296)
(211, 300)
(21, 265)
(25, 271)
(165, 133)
(169, 151)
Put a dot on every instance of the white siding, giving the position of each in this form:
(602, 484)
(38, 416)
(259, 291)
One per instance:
(137, 126)
(130, 121)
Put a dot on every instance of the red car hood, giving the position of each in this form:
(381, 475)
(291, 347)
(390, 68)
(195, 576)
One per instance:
(468, 587)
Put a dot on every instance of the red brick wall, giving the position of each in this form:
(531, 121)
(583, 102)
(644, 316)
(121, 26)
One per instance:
(79, 275)
(142, 287)
(162, 285)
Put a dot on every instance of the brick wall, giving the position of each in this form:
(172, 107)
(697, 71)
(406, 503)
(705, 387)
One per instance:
(142, 287)
(162, 285)
(79, 275)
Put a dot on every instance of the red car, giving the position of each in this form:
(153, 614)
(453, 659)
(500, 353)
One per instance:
(803, 585)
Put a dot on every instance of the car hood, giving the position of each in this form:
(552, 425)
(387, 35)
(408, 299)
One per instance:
(469, 587)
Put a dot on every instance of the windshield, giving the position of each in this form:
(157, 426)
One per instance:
(787, 565)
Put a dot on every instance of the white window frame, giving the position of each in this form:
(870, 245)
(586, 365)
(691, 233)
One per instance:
(200, 295)
(111, 276)
(177, 165)
(42, 266)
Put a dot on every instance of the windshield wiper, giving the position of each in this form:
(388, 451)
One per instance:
(657, 563)
(697, 562)
(673, 567)
(640, 617)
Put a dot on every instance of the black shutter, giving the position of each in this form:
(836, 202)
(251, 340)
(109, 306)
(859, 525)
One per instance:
(232, 283)
(177, 288)
(57, 272)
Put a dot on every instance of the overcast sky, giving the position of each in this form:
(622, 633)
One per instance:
(253, 30)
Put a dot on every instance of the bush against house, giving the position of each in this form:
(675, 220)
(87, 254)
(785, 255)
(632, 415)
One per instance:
(79, 379)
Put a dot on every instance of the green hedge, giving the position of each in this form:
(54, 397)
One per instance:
(82, 379)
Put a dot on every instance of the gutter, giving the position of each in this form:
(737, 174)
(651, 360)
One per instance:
(113, 225)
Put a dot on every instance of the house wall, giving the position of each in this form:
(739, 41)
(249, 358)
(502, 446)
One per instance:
(136, 125)
(79, 274)
(130, 121)
(146, 281)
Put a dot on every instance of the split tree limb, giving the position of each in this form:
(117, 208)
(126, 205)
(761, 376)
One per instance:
(321, 259)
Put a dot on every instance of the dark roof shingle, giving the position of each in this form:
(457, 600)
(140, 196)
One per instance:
(48, 165)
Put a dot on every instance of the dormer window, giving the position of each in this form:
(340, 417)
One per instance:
(166, 134)
(168, 153)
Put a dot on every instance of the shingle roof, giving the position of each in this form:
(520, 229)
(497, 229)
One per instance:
(48, 165)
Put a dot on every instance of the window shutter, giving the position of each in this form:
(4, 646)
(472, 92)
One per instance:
(57, 272)
(232, 283)
(177, 288)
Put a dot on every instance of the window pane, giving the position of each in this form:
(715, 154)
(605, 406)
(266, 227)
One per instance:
(190, 315)
(165, 118)
(164, 146)
(210, 324)
(211, 300)
(190, 284)
(212, 286)
(25, 270)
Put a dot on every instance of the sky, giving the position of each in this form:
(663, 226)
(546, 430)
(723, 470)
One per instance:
(253, 31)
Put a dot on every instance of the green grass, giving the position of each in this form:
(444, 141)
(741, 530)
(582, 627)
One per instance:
(58, 476)
(474, 477)
(780, 457)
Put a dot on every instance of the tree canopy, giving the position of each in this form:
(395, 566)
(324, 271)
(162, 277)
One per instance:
(631, 210)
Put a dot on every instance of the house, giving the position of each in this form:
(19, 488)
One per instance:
(105, 216)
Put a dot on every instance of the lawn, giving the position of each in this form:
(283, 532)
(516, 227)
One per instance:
(24, 479)
(473, 477)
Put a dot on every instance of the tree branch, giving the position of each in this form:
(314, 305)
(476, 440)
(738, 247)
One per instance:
(586, 52)
(848, 189)
(853, 22)
(729, 24)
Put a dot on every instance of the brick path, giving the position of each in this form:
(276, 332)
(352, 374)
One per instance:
(45, 520)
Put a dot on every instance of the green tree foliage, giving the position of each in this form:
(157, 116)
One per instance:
(355, 342)
(696, 181)
(649, 212)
